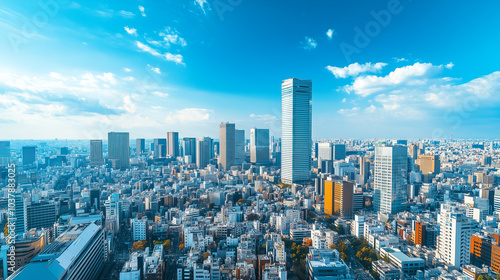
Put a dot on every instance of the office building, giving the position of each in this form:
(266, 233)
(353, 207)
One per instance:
(239, 146)
(339, 151)
(259, 146)
(119, 150)
(20, 215)
(325, 157)
(95, 199)
(390, 178)
(407, 265)
(173, 144)
(29, 155)
(227, 145)
(96, 157)
(326, 264)
(455, 231)
(364, 171)
(139, 227)
(140, 146)
(413, 151)
(41, 215)
(339, 198)
(160, 148)
(202, 153)
(210, 147)
(188, 148)
(4, 153)
(77, 254)
(429, 164)
(296, 130)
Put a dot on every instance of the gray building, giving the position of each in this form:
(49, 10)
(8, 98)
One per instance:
(140, 146)
(160, 147)
(227, 145)
(4, 153)
(239, 143)
(29, 155)
(96, 158)
(202, 153)
(41, 215)
(259, 146)
(173, 144)
(119, 150)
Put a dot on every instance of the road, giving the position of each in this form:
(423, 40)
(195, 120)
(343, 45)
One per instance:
(356, 267)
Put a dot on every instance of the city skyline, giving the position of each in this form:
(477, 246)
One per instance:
(145, 69)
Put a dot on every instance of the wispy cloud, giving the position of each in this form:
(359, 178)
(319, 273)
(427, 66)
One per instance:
(171, 36)
(141, 8)
(309, 43)
(355, 69)
(126, 14)
(203, 4)
(155, 69)
(190, 115)
(131, 31)
(177, 58)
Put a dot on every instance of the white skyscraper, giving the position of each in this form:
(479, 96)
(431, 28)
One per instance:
(296, 130)
(391, 165)
(259, 146)
(455, 231)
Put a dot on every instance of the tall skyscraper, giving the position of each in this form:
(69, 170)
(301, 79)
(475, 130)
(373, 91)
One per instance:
(173, 144)
(239, 144)
(455, 231)
(119, 149)
(96, 157)
(29, 155)
(188, 148)
(4, 153)
(364, 170)
(413, 151)
(296, 130)
(227, 145)
(160, 149)
(202, 153)
(210, 146)
(20, 213)
(391, 165)
(429, 164)
(140, 146)
(259, 146)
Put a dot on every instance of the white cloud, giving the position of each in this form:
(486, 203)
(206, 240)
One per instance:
(155, 69)
(202, 4)
(190, 115)
(131, 31)
(159, 93)
(126, 14)
(349, 112)
(127, 69)
(449, 65)
(329, 33)
(141, 8)
(265, 117)
(309, 43)
(355, 69)
(177, 58)
(128, 104)
(343, 100)
(411, 75)
(402, 59)
(171, 36)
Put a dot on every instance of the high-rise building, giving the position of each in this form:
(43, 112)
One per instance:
(140, 146)
(29, 155)
(160, 149)
(339, 151)
(173, 144)
(41, 215)
(239, 144)
(96, 157)
(64, 151)
(296, 130)
(339, 198)
(4, 153)
(455, 231)
(259, 146)
(202, 153)
(429, 164)
(119, 150)
(139, 227)
(325, 152)
(95, 199)
(227, 136)
(76, 254)
(413, 151)
(20, 214)
(390, 180)
(210, 147)
(188, 147)
(364, 171)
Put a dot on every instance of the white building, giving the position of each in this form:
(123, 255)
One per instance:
(358, 226)
(139, 229)
(453, 243)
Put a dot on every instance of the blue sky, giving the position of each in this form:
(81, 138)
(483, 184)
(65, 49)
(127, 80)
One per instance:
(420, 69)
